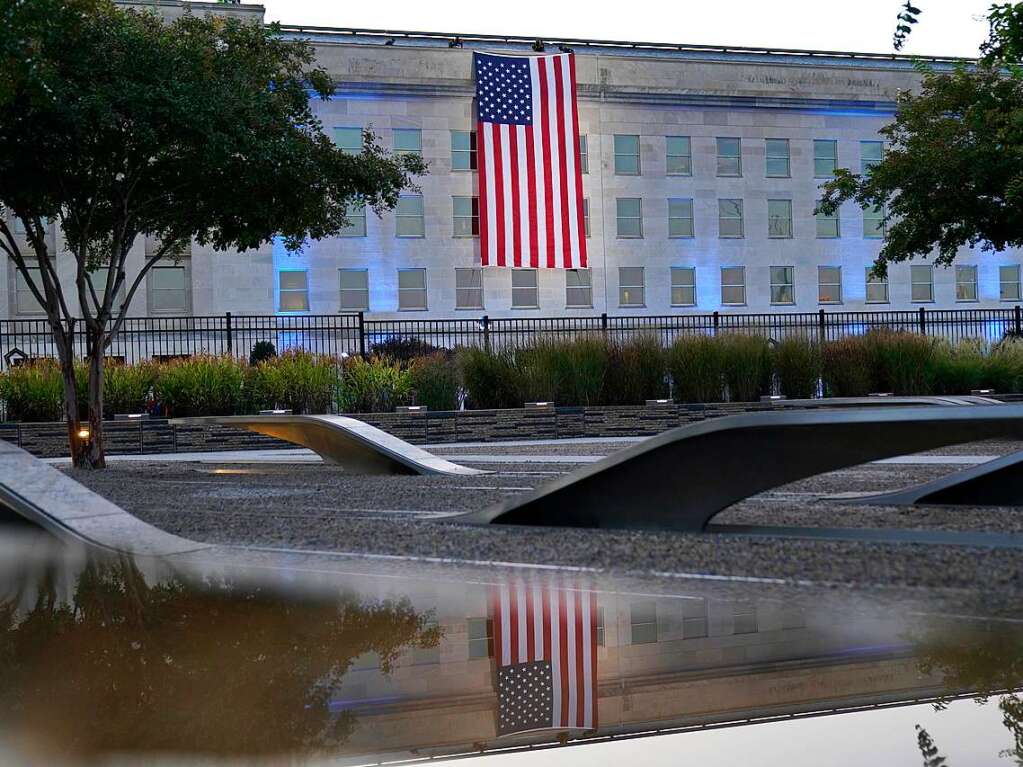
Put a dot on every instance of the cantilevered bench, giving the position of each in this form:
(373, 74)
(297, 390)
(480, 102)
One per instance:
(352, 444)
(681, 479)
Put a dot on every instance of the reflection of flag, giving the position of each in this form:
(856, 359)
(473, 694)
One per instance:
(531, 188)
(545, 642)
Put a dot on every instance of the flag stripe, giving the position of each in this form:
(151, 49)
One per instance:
(545, 140)
(560, 106)
(577, 156)
(485, 198)
(531, 194)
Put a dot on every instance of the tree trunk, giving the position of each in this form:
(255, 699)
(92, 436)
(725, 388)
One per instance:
(66, 355)
(95, 451)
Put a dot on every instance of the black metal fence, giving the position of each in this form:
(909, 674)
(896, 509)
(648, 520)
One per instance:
(337, 334)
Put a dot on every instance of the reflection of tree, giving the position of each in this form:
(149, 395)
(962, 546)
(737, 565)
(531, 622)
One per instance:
(986, 660)
(178, 666)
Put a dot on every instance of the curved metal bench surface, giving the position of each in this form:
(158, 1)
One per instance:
(680, 479)
(354, 445)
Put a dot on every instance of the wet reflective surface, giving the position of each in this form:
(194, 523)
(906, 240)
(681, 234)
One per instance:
(105, 659)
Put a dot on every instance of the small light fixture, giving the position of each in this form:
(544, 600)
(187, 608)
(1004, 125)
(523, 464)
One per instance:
(565, 49)
(84, 433)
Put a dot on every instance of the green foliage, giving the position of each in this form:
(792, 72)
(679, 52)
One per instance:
(635, 372)
(959, 368)
(33, 391)
(695, 366)
(746, 364)
(434, 380)
(127, 388)
(402, 348)
(903, 363)
(375, 385)
(491, 378)
(797, 364)
(261, 350)
(296, 380)
(846, 368)
(932, 757)
(203, 385)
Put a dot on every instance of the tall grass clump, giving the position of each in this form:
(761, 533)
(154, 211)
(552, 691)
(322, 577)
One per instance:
(694, 364)
(569, 372)
(490, 378)
(295, 380)
(202, 385)
(127, 388)
(1004, 366)
(903, 363)
(797, 364)
(434, 381)
(847, 368)
(635, 372)
(746, 364)
(959, 368)
(375, 385)
(33, 391)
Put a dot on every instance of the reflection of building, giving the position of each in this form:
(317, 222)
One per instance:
(662, 663)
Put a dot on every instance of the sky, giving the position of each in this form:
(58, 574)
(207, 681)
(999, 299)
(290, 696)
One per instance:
(946, 27)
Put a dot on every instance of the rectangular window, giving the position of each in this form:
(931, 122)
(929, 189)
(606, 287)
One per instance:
(825, 158)
(828, 227)
(779, 219)
(873, 223)
(783, 289)
(694, 618)
(630, 217)
(408, 141)
(729, 157)
(630, 286)
(829, 284)
(99, 284)
(744, 616)
(778, 164)
(680, 218)
(525, 289)
(409, 216)
(578, 288)
(877, 288)
(683, 286)
(481, 638)
(294, 291)
(466, 216)
(354, 290)
(730, 218)
(679, 156)
(733, 285)
(600, 627)
(24, 301)
(584, 154)
(349, 139)
(412, 289)
(586, 216)
(469, 288)
(871, 153)
(1008, 282)
(463, 150)
(626, 155)
(921, 278)
(966, 283)
(169, 288)
(643, 621)
(356, 215)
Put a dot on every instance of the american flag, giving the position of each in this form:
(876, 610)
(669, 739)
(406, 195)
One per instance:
(545, 642)
(531, 187)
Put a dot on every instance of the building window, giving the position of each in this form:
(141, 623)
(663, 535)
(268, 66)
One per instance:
(626, 155)
(679, 156)
(921, 279)
(349, 139)
(630, 286)
(966, 283)
(1008, 282)
(463, 150)
(680, 218)
(871, 154)
(481, 638)
(356, 215)
(584, 154)
(779, 219)
(469, 288)
(877, 287)
(828, 227)
(354, 290)
(825, 158)
(409, 216)
(586, 216)
(525, 289)
(99, 284)
(643, 619)
(783, 289)
(730, 218)
(733, 285)
(408, 141)
(578, 288)
(600, 627)
(744, 616)
(169, 286)
(729, 157)
(24, 301)
(630, 217)
(873, 222)
(683, 286)
(294, 291)
(412, 289)
(694, 618)
(778, 158)
(829, 284)
(466, 216)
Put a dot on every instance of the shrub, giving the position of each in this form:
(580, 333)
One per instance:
(296, 380)
(202, 385)
(375, 385)
(635, 371)
(127, 388)
(746, 364)
(797, 363)
(959, 368)
(434, 381)
(403, 349)
(694, 364)
(543, 369)
(1004, 366)
(846, 368)
(903, 363)
(589, 375)
(33, 391)
(490, 378)
(261, 350)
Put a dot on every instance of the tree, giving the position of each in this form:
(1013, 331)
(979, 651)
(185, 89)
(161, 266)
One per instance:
(117, 125)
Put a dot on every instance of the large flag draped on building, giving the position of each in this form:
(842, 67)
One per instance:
(531, 189)
(545, 643)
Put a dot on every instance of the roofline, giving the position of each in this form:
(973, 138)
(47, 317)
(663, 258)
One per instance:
(574, 42)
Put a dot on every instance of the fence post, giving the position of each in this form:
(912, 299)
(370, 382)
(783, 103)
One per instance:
(362, 334)
(717, 322)
(923, 321)
(485, 327)
(821, 324)
(230, 333)
(1019, 319)
(603, 324)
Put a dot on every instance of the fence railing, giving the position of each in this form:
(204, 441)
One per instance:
(337, 334)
